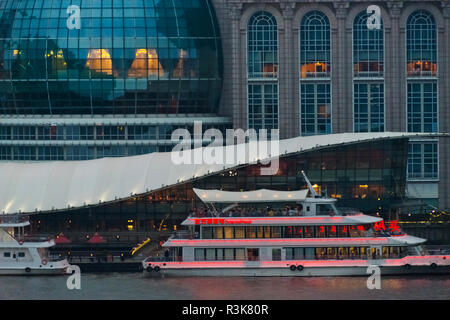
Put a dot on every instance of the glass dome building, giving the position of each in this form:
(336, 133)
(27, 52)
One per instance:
(126, 57)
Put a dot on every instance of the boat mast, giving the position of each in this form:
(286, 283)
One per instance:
(310, 187)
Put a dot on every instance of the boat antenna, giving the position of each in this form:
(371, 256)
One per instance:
(310, 187)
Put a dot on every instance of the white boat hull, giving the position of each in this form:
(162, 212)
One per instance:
(52, 268)
(283, 272)
(409, 265)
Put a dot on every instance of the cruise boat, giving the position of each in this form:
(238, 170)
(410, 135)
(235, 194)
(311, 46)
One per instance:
(24, 255)
(312, 238)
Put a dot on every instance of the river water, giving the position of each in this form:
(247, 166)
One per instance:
(131, 286)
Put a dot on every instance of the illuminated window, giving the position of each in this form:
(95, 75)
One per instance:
(315, 45)
(368, 48)
(99, 60)
(146, 64)
(421, 43)
(368, 104)
(262, 62)
(422, 107)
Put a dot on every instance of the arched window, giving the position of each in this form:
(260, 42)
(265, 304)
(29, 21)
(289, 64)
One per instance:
(262, 86)
(368, 48)
(315, 45)
(315, 69)
(368, 72)
(262, 46)
(421, 43)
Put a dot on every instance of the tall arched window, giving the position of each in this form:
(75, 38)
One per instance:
(262, 46)
(315, 70)
(368, 75)
(421, 44)
(368, 47)
(315, 44)
(262, 53)
(422, 97)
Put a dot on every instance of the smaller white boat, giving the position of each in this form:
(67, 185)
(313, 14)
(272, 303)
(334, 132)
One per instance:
(24, 255)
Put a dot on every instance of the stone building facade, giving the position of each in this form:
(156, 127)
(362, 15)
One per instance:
(406, 84)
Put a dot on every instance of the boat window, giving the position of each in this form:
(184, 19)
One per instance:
(324, 210)
(267, 232)
(218, 232)
(260, 232)
(207, 232)
(320, 232)
(385, 252)
(7, 254)
(321, 253)
(210, 254)
(239, 232)
(353, 252)
(332, 253)
(240, 254)
(295, 253)
(353, 231)
(297, 232)
(252, 254)
(309, 253)
(363, 252)
(21, 254)
(343, 231)
(251, 232)
(228, 231)
(308, 232)
(219, 254)
(229, 254)
(393, 252)
(343, 253)
(276, 254)
(276, 232)
(199, 254)
(331, 231)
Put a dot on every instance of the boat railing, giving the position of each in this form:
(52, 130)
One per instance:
(344, 211)
(13, 219)
(33, 239)
(184, 235)
(246, 215)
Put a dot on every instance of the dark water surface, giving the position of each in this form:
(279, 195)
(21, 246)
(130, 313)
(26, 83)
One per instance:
(130, 286)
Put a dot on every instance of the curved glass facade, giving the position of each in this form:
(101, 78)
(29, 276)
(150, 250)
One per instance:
(127, 57)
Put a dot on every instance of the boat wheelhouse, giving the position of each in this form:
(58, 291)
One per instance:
(287, 233)
(21, 254)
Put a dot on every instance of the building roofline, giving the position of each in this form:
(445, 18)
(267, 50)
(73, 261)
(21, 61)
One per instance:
(40, 187)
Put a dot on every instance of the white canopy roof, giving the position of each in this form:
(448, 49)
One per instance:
(46, 186)
(261, 195)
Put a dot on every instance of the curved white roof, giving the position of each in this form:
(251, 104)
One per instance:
(262, 195)
(46, 186)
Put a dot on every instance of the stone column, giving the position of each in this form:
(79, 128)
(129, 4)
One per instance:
(288, 109)
(237, 68)
(395, 106)
(444, 105)
(341, 70)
